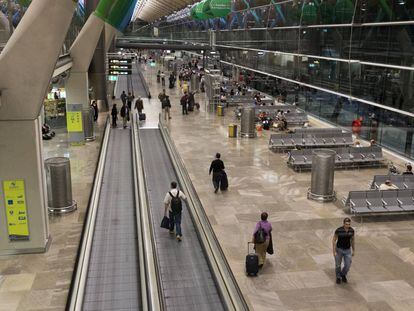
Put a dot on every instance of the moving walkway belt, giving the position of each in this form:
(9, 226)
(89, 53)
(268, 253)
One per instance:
(186, 279)
(107, 274)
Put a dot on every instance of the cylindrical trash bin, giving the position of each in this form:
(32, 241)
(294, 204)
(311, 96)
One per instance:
(247, 122)
(88, 124)
(232, 130)
(59, 185)
(220, 110)
(322, 182)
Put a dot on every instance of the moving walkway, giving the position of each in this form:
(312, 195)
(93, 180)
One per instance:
(126, 261)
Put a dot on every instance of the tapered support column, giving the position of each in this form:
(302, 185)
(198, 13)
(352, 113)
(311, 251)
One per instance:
(25, 228)
(26, 67)
(77, 85)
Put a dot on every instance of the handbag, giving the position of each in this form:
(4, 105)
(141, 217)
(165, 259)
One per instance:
(165, 223)
(270, 247)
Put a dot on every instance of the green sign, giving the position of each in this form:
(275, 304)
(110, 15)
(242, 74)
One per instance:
(344, 11)
(16, 209)
(309, 13)
(74, 121)
(112, 78)
(220, 8)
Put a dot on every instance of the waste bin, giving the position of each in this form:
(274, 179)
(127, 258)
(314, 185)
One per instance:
(322, 180)
(59, 186)
(232, 130)
(247, 122)
(88, 114)
(220, 110)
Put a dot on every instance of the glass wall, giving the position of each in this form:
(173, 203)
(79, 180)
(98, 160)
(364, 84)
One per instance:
(11, 12)
(341, 58)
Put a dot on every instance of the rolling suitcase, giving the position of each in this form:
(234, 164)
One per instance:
(142, 116)
(224, 182)
(252, 262)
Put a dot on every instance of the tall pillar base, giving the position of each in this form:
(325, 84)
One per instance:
(22, 189)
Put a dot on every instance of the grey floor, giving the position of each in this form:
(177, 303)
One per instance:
(187, 282)
(137, 83)
(113, 276)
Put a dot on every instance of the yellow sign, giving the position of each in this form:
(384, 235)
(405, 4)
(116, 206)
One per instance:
(74, 121)
(16, 211)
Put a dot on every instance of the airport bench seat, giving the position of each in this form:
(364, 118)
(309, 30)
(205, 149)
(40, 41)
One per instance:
(384, 201)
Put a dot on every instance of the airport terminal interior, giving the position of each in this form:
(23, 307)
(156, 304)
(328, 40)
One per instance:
(207, 155)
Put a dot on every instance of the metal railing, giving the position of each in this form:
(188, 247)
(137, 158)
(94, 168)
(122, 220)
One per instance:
(226, 283)
(150, 278)
(76, 294)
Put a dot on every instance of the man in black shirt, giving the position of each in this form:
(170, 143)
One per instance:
(409, 170)
(342, 242)
(217, 166)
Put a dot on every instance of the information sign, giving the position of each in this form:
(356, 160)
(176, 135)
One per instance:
(16, 209)
(119, 66)
(74, 121)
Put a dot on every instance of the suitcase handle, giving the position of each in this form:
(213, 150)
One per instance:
(248, 243)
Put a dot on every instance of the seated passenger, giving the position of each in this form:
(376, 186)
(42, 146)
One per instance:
(232, 92)
(388, 185)
(409, 170)
(357, 144)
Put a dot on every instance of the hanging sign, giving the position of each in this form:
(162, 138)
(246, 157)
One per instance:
(16, 209)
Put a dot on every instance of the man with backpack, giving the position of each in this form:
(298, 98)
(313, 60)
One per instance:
(174, 207)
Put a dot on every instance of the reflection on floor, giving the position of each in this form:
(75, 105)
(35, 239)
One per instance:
(300, 276)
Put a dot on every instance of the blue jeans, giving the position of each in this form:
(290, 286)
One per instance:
(175, 220)
(346, 254)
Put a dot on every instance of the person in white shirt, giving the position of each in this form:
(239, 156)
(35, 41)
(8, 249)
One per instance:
(388, 185)
(173, 205)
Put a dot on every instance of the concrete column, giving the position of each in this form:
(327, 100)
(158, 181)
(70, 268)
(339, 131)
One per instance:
(77, 85)
(97, 73)
(21, 159)
(26, 66)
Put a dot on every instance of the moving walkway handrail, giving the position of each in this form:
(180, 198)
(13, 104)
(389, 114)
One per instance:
(79, 280)
(144, 82)
(230, 292)
(150, 276)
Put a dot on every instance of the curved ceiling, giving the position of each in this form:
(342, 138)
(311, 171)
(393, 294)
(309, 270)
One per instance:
(151, 10)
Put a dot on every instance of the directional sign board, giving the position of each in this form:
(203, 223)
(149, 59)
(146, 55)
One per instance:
(119, 66)
(16, 209)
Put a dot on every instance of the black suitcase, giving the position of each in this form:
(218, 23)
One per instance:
(224, 182)
(142, 116)
(252, 262)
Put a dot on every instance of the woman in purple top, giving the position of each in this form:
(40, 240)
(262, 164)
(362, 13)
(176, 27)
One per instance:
(261, 248)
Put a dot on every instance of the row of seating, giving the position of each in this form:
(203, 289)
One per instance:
(345, 157)
(296, 118)
(384, 201)
(315, 130)
(309, 140)
(401, 181)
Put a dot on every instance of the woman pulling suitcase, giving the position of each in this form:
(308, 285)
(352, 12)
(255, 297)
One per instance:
(262, 239)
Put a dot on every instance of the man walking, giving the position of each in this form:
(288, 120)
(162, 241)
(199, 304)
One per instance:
(139, 105)
(125, 115)
(184, 103)
(173, 205)
(166, 105)
(217, 167)
(130, 98)
(123, 98)
(342, 242)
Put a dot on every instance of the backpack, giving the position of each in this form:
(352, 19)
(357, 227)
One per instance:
(260, 236)
(176, 204)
